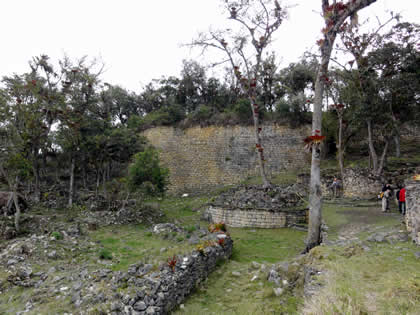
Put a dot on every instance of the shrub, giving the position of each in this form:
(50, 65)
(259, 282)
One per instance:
(105, 254)
(242, 110)
(57, 235)
(146, 174)
(201, 114)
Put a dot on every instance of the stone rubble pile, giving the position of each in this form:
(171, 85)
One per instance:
(257, 197)
(143, 288)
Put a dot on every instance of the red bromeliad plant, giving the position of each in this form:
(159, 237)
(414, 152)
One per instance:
(217, 227)
(172, 263)
(313, 141)
(221, 242)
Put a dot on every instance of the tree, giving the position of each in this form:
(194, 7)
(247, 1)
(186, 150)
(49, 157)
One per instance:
(80, 95)
(14, 167)
(34, 99)
(297, 86)
(396, 61)
(118, 104)
(192, 86)
(257, 21)
(334, 15)
(372, 110)
(146, 173)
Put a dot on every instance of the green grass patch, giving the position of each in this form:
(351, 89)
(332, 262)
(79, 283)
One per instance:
(224, 293)
(384, 280)
(265, 245)
(127, 245)
(184, 209)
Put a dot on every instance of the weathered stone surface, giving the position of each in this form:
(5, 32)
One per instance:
(361, 183)
(200, 159)
(254, 206)
(412, 217)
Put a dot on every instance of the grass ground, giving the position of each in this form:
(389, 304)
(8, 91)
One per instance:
(383, 280)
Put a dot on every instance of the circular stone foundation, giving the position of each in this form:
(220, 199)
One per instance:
(255, 206)
(258, 218)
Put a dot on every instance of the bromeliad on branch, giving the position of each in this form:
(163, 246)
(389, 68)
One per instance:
(313, 141)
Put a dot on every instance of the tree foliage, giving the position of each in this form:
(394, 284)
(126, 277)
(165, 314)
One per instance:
(146, 174)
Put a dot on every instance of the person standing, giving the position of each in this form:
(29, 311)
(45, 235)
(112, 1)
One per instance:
(401, 201)
(385, 200)
(397, 198)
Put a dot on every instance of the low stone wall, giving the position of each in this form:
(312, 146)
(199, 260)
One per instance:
(160, 292)
(360, 183)
(412, 217)
(258, 218)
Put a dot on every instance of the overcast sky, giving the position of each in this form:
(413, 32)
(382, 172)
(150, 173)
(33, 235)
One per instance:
(139, 40)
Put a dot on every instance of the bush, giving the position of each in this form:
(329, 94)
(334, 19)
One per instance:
(146, 174)
(201, 114)
(165, 116)
(105, 254)
(242, 110)
(57, 235)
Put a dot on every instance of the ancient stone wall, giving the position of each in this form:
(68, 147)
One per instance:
(360, 183)
(258, 218)
(201, 159)
(412, 217)
(161, 292)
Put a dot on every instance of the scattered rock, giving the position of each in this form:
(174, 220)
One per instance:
(278, 291)
(236, 273)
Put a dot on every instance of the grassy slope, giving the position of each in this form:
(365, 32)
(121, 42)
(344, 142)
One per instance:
(384, 280)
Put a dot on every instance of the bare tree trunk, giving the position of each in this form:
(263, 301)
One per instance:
(17, 208)
(383, 158)
(260, 149)
(98, 180)
(372, 151)
(8, 205)
(71, 188)
(315, 192)
(340, 147)
(84, 172)
(104, 172)
(397, 145)
(37, 190)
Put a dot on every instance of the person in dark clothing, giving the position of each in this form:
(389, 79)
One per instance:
(386, 187)
(397, 197)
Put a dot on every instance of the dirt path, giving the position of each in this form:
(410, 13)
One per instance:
(366, 218)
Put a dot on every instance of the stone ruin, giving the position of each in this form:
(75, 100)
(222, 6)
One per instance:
(412, 217)
(255, 206)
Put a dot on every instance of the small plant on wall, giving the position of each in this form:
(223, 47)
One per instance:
(221, 242)
(217, 227)
(172, 263)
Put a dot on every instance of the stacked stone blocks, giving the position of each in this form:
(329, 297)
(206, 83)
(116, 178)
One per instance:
(412, 217)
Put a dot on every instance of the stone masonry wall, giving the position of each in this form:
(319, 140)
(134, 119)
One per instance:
(256, 218)
(160, 292)
(412, 216)
(200, 159)
(361, 183)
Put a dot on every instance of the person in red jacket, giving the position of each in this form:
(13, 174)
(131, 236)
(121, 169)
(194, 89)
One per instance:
(401, 200)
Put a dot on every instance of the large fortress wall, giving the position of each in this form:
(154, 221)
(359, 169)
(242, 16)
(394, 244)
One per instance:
(201, 159)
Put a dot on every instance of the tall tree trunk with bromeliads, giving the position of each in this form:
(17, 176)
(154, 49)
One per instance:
(334, 15)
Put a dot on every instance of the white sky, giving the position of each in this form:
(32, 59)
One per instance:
(139, 40)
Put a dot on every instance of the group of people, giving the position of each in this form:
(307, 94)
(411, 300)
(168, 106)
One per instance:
(387, 194)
